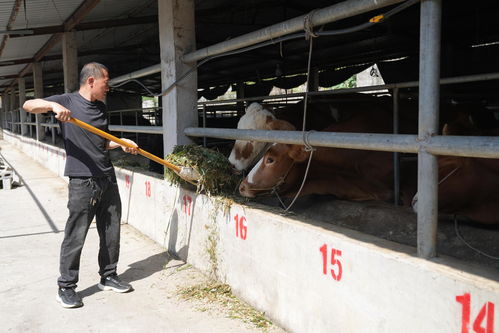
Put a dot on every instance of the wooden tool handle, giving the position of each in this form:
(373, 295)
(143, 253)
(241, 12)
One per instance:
(110, 137)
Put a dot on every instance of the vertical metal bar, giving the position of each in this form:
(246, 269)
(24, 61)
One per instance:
(204, 124)
(429, 96)
(21, 120)
(121, 121)
(137, 124)
(52, 120)
(396, 160)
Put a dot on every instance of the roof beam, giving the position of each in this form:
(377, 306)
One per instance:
(111, 50)
(83, 26)
(12, 18)
(70, 23)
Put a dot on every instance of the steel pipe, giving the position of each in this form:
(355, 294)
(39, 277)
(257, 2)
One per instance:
(429, 99)
(329, 14)
(470, 146)
(409, 84)
(50, 125)
(134, 75)
(137, 129)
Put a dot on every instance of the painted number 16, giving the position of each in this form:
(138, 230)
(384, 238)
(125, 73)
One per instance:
(241, 229)
(337, 269)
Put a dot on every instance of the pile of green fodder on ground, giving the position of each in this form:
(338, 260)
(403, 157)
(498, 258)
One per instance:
(216, 173)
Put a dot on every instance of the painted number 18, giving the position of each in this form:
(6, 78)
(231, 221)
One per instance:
(486, 314)
(337, 269)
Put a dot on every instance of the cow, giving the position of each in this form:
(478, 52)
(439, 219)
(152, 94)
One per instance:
(349, 174)
(468, 186)
(320, 113)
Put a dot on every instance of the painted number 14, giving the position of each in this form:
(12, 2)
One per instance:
(486, 314)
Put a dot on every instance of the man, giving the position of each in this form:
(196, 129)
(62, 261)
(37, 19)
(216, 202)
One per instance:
(93, 191)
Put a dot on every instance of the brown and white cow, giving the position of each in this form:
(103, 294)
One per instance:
(349, 174)
(321, 112)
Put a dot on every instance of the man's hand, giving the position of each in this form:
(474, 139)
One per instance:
(113, 145)
(61, 113)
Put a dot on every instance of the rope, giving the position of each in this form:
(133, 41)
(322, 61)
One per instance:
(306, 134)
(456, 228)
(308, 26)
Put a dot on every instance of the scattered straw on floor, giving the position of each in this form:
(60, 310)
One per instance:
(215, 292)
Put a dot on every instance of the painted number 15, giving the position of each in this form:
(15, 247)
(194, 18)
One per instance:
(336, 269)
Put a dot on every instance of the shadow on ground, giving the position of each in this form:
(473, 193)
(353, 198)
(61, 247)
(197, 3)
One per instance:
(137, 271)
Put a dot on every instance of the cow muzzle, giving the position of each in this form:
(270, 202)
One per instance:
(245, 190)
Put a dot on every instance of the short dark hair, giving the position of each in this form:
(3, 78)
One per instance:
(91, 69)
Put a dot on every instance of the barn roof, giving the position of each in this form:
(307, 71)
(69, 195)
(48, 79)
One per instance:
(123, 34)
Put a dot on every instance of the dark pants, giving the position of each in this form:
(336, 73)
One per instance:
(88, 198)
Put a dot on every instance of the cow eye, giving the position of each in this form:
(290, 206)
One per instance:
(270, 160)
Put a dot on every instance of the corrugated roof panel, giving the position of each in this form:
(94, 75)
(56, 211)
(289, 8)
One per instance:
(108, 9)
(5, 11)
(115, 37)
(11, 70)
(24, 47)
(40, 13)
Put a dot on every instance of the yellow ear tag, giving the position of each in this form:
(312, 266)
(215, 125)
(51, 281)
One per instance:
(377, 18)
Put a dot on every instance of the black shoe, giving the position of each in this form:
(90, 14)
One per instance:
(69, 298)
(113, 282)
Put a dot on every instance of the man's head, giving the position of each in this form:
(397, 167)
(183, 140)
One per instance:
(94, 79)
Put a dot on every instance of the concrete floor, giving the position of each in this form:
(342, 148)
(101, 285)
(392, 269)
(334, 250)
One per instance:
(32, 218)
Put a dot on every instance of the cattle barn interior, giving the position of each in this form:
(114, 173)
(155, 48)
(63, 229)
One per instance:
(123, 35)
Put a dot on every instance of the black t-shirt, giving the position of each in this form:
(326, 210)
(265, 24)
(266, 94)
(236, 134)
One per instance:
(86, 152)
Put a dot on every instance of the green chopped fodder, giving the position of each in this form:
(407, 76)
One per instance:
(216, 173)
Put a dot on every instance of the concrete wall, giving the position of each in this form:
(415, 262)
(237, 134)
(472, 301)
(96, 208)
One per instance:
(307, 276)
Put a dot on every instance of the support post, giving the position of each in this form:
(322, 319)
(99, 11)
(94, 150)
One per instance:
(396, 155)
(429, 97)
(38, 86)
(2, 117)
(22, 98)
(177, 37)
(70, 61)
(313, 84)
(5, 109)
(13, 111)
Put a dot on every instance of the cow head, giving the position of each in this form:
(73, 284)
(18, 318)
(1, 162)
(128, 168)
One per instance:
(257, 118)
(244, 152)
(273, 169)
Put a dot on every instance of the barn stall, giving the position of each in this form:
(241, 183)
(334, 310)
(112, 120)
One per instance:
(317, 243)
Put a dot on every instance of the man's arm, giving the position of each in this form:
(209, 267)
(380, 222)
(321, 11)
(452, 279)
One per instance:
(114, 145)
(39, 105)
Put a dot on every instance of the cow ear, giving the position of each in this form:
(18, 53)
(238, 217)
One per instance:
(298, 153)
(278, 124)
